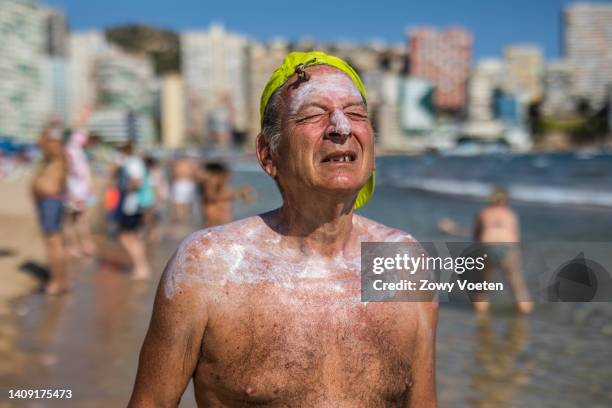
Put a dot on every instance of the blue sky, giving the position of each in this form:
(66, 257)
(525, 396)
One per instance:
(494, 23)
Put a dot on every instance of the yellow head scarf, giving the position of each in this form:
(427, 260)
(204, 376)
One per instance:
(296, 62)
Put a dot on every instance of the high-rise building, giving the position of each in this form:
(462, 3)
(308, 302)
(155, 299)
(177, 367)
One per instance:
(486, 77)
(588, 48)
(124, 83)
(416, 106)
(214, 69)
(119, 86)
(57, 33)
(362, 57)
(443, 58)
(524, 70)
(558, 98)
(57, 65)
(116, 84)
(57, 88)
(486, 81)
(84, 48)
(173, 111)
(394, 58)
(262, 61)
(23, 98)
(609, 109)
(123, 80)
(386, 109)
(383, 82)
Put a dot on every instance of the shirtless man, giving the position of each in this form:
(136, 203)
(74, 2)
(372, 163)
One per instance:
(217, 194)
(48, 191)
(266, 311)
(497, 227)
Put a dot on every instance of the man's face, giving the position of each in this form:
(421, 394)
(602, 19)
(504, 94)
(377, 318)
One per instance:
(327, 141)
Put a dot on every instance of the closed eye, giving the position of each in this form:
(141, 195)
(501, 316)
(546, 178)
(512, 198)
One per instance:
(357, 115)
(310, 118)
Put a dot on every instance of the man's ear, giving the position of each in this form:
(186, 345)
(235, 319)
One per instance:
(264, 155)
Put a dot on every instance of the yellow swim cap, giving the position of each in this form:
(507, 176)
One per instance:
(298, 61)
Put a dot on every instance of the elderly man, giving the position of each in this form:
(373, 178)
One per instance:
(266, 311)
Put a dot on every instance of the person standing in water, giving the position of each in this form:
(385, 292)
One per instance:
(497, 228)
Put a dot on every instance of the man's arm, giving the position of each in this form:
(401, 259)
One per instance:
(171, 348)
(423, 390)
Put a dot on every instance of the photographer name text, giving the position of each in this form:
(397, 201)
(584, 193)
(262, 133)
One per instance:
(426, 285)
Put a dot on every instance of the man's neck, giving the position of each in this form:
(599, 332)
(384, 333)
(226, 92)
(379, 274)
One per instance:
(323, 229)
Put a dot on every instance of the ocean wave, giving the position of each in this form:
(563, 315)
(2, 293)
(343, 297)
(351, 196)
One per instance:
(520, 192)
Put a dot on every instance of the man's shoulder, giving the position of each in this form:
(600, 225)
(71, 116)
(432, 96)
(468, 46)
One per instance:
(240, 230)
(214, 241)
(373, 231)
(214, 256)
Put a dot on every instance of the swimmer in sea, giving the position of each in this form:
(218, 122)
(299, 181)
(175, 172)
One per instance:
(497, 227)
(266, 310)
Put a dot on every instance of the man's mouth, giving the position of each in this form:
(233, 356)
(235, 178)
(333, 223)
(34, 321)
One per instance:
(340, 157)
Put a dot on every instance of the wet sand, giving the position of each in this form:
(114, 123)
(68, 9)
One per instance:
(22, 252)
(87, 341)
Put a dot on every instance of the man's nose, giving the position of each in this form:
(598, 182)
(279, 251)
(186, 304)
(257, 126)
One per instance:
(339, 128)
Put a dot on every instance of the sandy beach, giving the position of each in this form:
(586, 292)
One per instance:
(22, 250)
(21, 244)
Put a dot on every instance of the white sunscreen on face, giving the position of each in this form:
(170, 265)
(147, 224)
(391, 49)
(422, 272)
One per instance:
(337, 85)
(340, 123)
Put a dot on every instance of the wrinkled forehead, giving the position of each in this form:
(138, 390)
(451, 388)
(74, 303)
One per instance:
(325, 84)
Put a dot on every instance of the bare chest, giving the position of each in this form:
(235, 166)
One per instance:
(50, 178)
(270, 345)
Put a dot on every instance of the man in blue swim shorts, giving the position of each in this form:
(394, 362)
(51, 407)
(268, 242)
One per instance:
(48, 189)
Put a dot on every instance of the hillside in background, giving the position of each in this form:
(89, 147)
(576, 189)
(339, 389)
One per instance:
(163, 46)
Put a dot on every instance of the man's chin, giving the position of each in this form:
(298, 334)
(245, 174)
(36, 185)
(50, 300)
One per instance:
(341, 188)
(344, 181)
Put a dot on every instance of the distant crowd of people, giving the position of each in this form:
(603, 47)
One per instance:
(135, 198)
